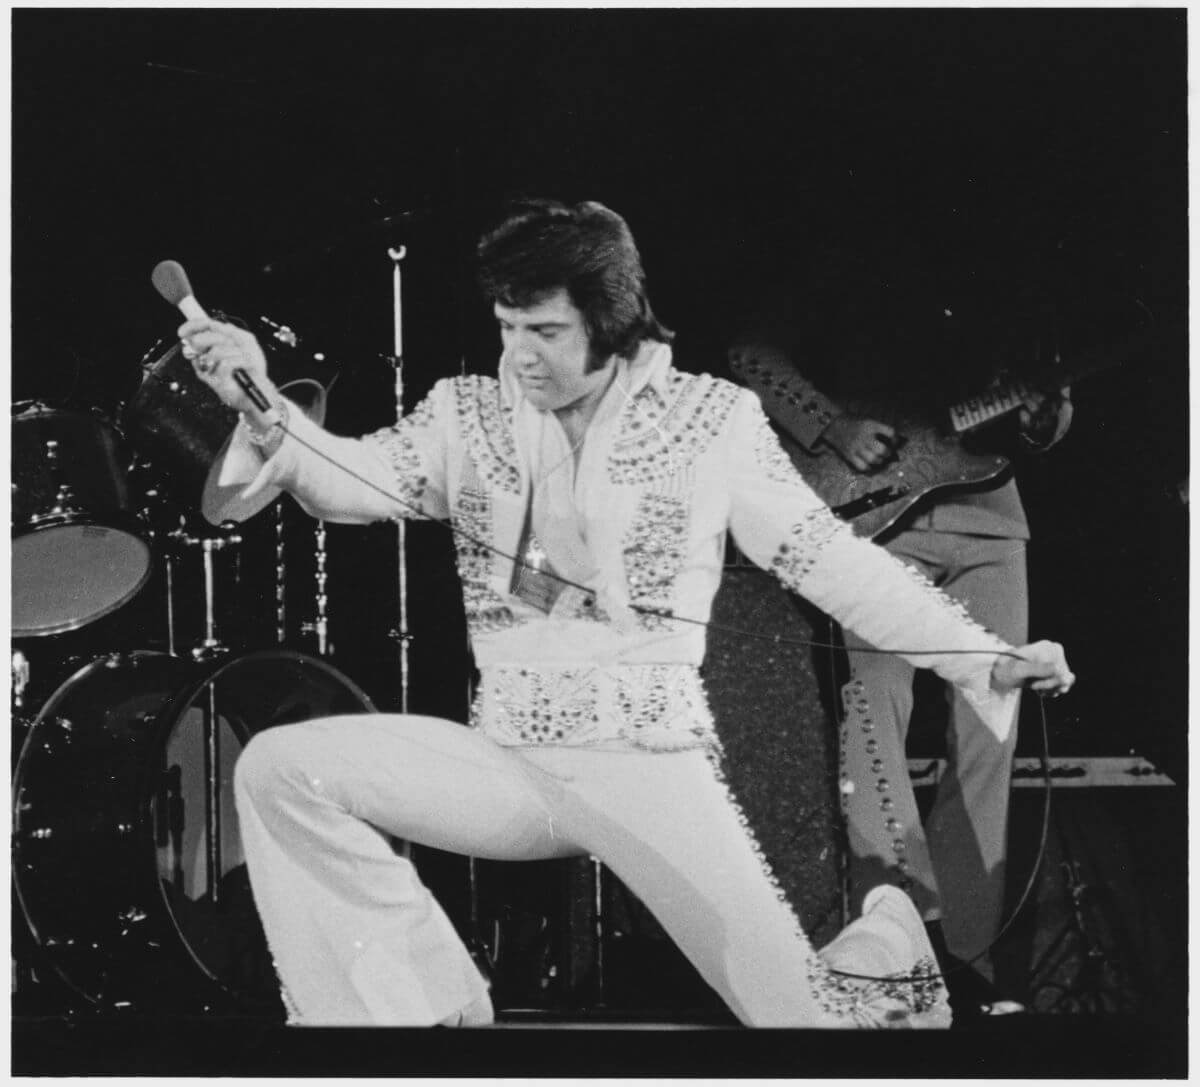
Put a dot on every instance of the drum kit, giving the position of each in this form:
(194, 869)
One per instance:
(129, 883)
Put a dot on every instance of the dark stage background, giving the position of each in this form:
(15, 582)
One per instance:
(1029, 167)
(1032, 163)
(1026, 151)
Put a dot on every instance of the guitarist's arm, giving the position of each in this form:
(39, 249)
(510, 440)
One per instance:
(758, 362)
(865, 444)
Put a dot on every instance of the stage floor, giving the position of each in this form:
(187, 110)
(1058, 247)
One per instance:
(1037, 1046)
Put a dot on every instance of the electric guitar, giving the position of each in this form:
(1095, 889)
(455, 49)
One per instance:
(931, 456)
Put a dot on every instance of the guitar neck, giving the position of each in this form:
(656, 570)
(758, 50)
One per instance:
(968, 414)
(774, 377)
(989, 405)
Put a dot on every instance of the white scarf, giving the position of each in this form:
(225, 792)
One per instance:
(549, 460)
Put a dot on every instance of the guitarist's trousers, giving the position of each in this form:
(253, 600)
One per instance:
(954, 865)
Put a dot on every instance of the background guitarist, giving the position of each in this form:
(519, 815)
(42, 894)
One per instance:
(912, 351)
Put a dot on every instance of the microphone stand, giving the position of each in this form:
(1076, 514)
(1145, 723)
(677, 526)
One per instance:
(401, 634)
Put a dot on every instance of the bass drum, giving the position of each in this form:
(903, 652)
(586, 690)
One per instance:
(127, 862)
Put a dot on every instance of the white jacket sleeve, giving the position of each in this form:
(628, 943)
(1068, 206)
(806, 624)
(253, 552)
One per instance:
(399, 471)
(781, 524)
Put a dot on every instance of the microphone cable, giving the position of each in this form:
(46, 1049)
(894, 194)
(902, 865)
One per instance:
(590, 593)
(774, 639)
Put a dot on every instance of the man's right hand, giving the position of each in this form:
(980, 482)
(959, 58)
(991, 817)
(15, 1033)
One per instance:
(216, 349)
(864, 444)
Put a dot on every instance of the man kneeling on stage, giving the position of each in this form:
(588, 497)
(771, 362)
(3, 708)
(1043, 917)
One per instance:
(612, 479)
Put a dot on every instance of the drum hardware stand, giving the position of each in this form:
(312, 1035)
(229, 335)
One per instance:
(320, 626)
(208, 650)
(211, 646)
(151, 495)
(230, 529)
(169, 572)
(63, 496)
(280, 576)
(600, 935)
(401, 634)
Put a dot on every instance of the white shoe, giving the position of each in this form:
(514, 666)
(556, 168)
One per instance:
(928, 1000)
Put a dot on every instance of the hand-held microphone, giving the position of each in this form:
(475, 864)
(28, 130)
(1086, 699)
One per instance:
(171, 281)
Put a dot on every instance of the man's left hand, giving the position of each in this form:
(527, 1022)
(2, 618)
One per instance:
(1045, 417)
(1041, 665)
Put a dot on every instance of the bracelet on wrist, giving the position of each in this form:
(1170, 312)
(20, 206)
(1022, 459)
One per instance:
(266, 440)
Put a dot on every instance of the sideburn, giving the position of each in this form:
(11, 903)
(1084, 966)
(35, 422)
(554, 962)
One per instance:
(595, 360)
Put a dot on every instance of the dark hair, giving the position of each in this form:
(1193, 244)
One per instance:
(542, 246)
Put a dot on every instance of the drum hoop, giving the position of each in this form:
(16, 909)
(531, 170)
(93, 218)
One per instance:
(172, 710)
(212, 669)
(41, 409)
(97, 664)
(118, 520)
(188, 693)
(44, 410)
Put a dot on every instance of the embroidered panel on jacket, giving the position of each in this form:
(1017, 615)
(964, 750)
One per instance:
(771, 456)
(655, 549)
(486, 428)
(485, 608)
(401, 445)
(658, 439)
(809, 536)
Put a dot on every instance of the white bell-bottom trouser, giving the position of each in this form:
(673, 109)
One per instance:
(358, 939)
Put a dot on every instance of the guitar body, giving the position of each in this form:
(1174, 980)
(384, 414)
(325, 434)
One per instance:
(929, 458)
(926, 466)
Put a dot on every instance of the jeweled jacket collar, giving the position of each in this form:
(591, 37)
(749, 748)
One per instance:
(649, 368)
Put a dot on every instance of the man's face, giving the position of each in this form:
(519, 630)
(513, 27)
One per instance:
(546, 347)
